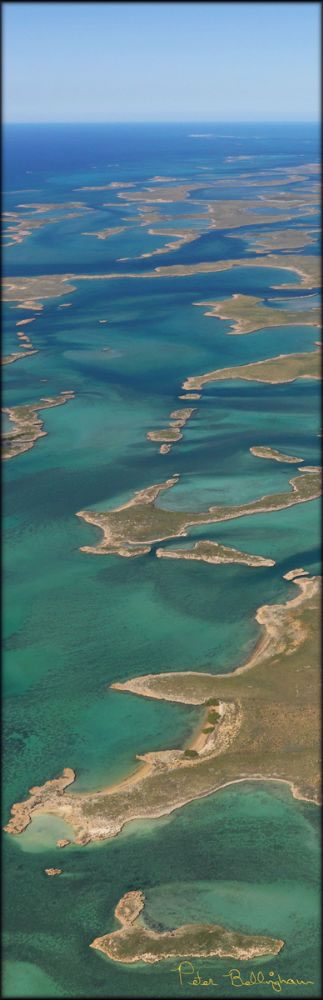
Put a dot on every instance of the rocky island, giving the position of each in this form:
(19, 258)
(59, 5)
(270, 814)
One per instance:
(213, 552)
(172, 433)
(8, 359)
(203, 796)
(273, 453)
(28, 425)
(130, 530)
(283, 239)
(135, 941)
(283, 368)
(249, 313)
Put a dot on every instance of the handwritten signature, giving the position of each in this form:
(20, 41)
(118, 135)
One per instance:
(274, 979)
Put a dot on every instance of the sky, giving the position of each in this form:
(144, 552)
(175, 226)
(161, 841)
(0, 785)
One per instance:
(101, 62)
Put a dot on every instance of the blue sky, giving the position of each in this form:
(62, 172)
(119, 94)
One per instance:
(161, 61)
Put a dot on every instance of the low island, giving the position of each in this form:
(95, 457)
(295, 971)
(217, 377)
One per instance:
(283, 368)
(28, 290)
(213, 552)
(131, 529)
(135, 941)
(172, 433)
(28, 426)
(283, 239)
(248, 313)
(274, 454)
(104, 234)
(8, 359)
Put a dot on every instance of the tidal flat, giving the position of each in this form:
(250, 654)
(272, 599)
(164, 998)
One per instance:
(247, 857)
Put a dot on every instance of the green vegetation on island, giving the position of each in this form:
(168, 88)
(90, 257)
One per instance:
(135, 941)
(131, 529)
(283, 239)
(268, 728)
(273, 453)
(214, 552)
(172, 433)
(284, 368)
(28, 291)
(28, 425)
(308, 268)
(249, 314)
(237, 213)
(17, 225)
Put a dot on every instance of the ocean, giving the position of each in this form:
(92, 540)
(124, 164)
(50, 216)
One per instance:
(247, 857)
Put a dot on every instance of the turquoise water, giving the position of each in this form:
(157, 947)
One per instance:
(309, 301)
(247, 857)
(73, 623)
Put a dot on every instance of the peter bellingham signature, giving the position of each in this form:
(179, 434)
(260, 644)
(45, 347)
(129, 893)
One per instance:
(189, 976)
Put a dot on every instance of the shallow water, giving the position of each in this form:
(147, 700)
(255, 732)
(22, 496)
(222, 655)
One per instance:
(73, 623)
(246, 857)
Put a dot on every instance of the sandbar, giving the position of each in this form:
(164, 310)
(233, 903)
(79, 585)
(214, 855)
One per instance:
(190, 395)
(104, 234)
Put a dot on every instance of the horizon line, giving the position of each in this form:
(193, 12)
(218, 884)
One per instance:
(167, 121)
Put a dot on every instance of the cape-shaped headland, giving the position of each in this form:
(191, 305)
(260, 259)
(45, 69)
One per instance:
(260, 722)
